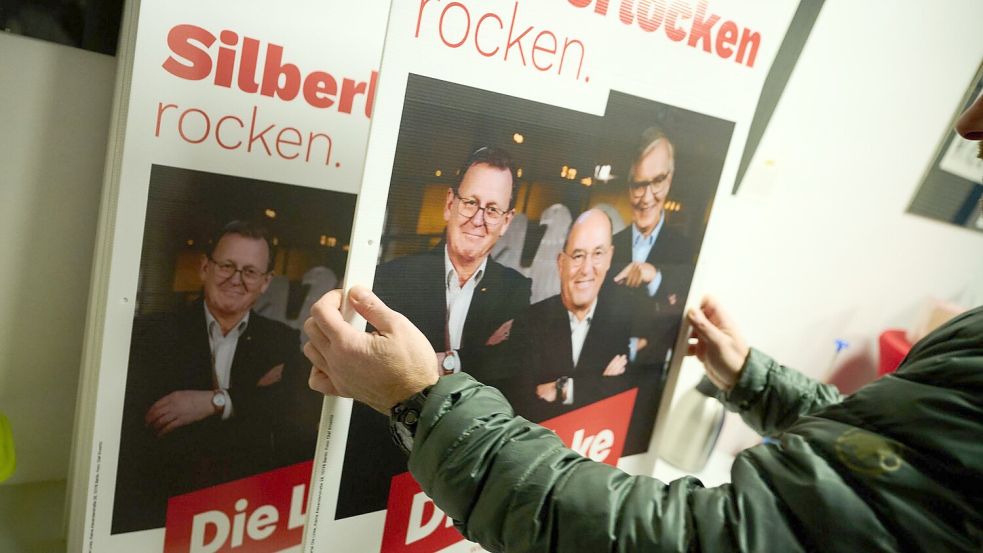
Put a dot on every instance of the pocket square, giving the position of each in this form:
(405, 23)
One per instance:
(271, 377)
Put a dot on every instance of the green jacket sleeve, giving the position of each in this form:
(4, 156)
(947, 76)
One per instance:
(771, 397)
(513, 486)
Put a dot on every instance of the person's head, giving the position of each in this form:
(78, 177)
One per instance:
(585, 260)
(650, 178)
(237, 269)
(478, 210)
(970, 123)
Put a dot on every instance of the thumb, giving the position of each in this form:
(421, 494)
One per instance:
(704, 326)
(624, 272)
(372, 309)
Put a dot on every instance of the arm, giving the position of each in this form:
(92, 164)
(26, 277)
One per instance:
(513, 486)
(769, 396)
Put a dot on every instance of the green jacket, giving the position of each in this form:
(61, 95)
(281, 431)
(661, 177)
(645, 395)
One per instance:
(897, 466)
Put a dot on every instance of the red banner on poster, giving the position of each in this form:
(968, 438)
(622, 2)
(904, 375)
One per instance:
(415, 525)
(257, 514)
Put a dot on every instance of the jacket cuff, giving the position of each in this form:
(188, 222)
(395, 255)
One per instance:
(751, 382)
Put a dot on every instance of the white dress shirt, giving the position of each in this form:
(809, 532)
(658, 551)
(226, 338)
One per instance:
(641, 246)
(578, 335)
(223, 348)
(459, 299)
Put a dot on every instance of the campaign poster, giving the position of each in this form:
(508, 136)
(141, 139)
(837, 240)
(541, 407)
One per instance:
(548, 172)
(235, 163)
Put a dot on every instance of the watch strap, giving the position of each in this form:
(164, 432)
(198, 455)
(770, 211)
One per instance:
(404, 418)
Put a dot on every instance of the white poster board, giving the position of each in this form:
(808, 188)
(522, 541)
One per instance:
(568, 89)
(225, 111)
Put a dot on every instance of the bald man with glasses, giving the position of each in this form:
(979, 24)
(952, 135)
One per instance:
(463, 302)
(573, 349)
(214, 392)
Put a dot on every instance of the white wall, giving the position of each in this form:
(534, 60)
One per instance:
(817, 244)
(54, 117)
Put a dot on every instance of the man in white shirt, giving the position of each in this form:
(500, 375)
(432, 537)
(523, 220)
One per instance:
(652, 257)
(461, 300)
(207, 397)
(572, 349)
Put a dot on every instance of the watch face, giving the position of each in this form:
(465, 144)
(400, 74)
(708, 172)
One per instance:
(448, 363)
(218, 400)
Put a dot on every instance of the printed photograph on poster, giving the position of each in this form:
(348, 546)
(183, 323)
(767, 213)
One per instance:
(546, 252)
(216, 387)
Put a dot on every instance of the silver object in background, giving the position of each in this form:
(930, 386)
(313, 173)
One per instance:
(693, 428)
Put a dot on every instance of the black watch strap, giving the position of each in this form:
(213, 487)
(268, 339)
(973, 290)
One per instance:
(404, 417)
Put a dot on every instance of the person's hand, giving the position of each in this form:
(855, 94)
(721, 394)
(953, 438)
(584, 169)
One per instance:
(616, 366)
(381, 368)
(500, 335)
(178, 409)
(718, 344)
(547, 391)
(636, 274)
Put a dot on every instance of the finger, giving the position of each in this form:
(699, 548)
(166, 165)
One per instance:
(155, 410)
(373, 310)
(314, 355)
(319, 381)
(161, 420)
(704, 327)
(317, 337)
(326, 313)
(715, 312)
(624, 272)
(169, 427)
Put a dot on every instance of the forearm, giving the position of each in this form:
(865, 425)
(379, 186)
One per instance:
(514, 486)
(770, 397)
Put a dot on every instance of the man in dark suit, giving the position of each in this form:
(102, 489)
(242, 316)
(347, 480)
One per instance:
(655, 264)
(212, 389)
(463, 301)
(573, 349)
(650, 256)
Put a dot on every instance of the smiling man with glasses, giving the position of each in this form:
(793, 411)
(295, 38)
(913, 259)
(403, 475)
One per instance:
(652, 257)
(573, 349)
(207, 399)
(463, 301)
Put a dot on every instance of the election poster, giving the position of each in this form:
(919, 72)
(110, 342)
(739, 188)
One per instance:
(235, 164)
(538, 181)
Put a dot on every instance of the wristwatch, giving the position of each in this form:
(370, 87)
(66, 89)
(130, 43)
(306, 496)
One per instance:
(218, 400)
(403, 419)
(451, 363)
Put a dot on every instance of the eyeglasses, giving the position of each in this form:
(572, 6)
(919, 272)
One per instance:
(579, 257)
(637, 188)
(469, 207)
(226, 270)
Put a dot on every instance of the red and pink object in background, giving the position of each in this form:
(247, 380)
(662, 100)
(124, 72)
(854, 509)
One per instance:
(893, 348)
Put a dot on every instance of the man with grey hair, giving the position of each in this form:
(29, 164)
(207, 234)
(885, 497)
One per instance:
(650, 256)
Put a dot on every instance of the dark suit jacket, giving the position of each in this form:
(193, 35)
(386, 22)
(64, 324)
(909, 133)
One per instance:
(673, 256)
(657, 319)
(170, 353)
(540, 350)
(414, 286)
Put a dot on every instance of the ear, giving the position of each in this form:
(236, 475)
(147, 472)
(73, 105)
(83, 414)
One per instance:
(506, 220)
(266, 284)
(449, 205)
(203, 267)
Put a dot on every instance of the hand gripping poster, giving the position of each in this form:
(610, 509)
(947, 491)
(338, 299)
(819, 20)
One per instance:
(236, 158)
(538, 182)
